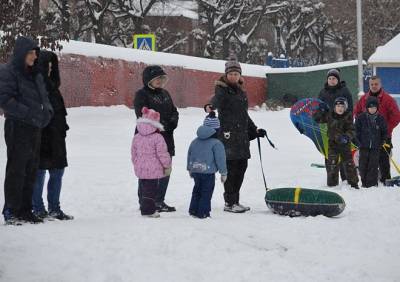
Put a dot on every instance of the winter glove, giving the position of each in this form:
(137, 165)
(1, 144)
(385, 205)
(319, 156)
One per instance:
(190, 174)
(323, 107)
(261, 132)
(211, 114)
(223, 178)
(344, 139)
(167, 171)
(386, 146)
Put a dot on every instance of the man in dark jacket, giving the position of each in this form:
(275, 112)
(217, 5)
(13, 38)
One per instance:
(154, 96)
(334, 88)
(371, 131)
(340, 133)
(237, 129)
(23, 97)
(53, 152)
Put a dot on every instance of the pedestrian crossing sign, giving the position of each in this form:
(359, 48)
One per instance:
(144, 42)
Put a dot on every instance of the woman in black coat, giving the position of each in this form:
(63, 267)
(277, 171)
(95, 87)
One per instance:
(237, 129)
(53, 153)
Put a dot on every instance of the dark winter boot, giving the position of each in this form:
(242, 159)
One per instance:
(12, 220)
(165, 208)
(30, 218)
(355, 186)
(42, 214)
(60, 215)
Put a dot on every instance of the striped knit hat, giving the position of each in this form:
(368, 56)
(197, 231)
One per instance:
(212, 121)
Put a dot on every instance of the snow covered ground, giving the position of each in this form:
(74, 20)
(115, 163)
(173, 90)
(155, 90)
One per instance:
(110, 241)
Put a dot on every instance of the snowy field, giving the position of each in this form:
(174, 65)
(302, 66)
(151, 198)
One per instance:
(110, 242)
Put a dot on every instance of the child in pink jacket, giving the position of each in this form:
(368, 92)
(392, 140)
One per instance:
(150, 159)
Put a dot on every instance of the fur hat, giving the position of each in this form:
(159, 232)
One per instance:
(152, 117)
(231, 66)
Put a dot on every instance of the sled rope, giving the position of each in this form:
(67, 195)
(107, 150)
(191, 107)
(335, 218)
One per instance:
(269, 141)
(262, 168)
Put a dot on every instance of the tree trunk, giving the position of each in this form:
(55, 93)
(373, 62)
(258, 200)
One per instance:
(35, 16)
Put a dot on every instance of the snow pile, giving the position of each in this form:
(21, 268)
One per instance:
(110, 241)
(314, 68)
(388, 53)
(160, 58)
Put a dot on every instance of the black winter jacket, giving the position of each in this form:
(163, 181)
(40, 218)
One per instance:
(23, 94)
(371, 130)
(237, 128)
(329, 94)
(160, 101)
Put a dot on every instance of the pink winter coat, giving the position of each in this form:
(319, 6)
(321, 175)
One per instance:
(149, 151)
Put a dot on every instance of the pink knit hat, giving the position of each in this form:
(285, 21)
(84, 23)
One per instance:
(152, 117)
(150, 114)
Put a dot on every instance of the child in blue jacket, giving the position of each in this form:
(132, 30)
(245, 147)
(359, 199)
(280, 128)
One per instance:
(206, 156)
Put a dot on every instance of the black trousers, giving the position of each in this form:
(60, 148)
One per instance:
(236, 171)
(23, 153)
(368, 166)
(384, 162)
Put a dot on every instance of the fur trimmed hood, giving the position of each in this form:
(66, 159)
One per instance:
(223, 82)
(155, 124)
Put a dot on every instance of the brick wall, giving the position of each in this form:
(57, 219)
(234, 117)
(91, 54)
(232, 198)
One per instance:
(97, 81)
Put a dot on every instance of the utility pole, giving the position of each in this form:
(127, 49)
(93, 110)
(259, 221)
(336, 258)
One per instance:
(359, 47)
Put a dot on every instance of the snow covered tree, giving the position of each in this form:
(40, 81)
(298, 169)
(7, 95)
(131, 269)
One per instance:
(15, 18)
(318, 33)
(220, 19)
(97, 14)
(22, 17)
(291, 22)
(381, 22)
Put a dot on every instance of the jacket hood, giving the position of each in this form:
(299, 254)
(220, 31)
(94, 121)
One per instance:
(147, 126)
(205, 132)
(46, 57)
(22, 46)
(150, 73)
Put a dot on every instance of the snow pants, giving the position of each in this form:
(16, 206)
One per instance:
(200, 204)
(342, 152)
(148, 193)
(368, 166)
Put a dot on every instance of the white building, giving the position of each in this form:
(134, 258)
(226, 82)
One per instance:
(386, 64)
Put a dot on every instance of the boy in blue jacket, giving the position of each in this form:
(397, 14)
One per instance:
(206, 156)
